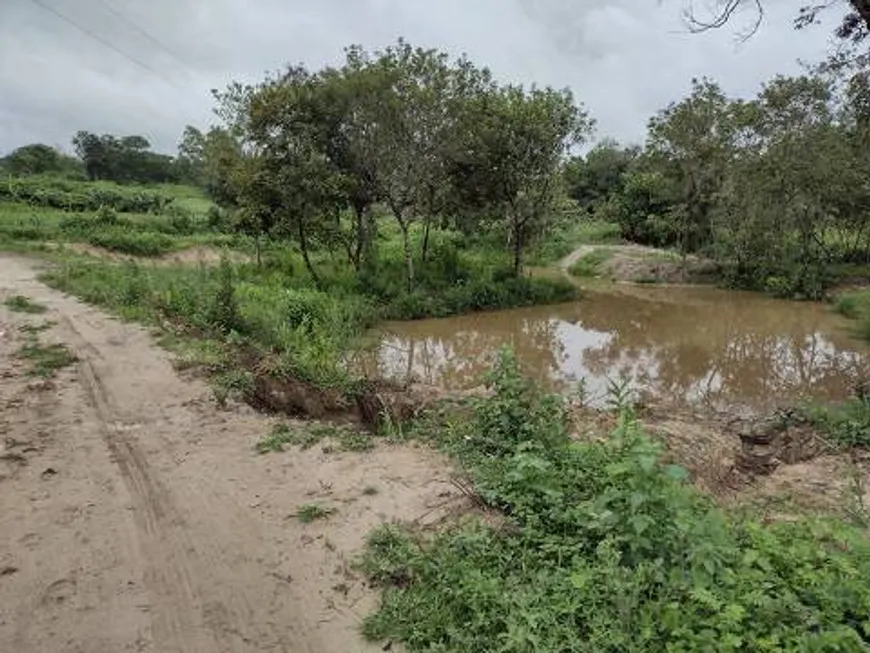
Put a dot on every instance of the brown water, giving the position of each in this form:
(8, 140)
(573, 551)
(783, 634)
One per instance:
(683, 345)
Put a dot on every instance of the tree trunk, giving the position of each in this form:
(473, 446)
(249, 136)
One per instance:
(398, 213)
(426, 238)
(259, 239)
(518, 247)
(359, 213)
(409, 254)
(303, 243)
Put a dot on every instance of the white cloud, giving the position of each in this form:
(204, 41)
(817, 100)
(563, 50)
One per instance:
(624, 59)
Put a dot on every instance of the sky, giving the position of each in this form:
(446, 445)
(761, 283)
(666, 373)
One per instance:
(147, 67)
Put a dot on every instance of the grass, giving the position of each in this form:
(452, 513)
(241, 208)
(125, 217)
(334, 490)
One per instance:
(308, 435)
(590, 264)
(22, 304)
(34, 329)
(845, 423)
(311, 512)
(855, 305)
(46, 360)
(567, 236)
(601, 546)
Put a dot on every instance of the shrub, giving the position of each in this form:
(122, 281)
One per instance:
(133, 243)
(605, 548)
(75, 196)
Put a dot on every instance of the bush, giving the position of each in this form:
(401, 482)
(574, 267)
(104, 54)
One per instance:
(480, 295)
(81, 197)
(605, 548)
(133, 243)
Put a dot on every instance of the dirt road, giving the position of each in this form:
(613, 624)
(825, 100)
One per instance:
(134, 515)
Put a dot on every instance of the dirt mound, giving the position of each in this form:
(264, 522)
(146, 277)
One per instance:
(198, 255)
(640, 264)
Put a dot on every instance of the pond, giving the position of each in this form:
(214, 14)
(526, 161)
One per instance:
(686, 346)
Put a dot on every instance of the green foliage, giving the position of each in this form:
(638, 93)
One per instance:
(75, 196)
(121, 240)
(567, 233)
(604, 548)
(846, 423)
(643, 209)
(39, 159)
(22, 304)
(124, 159)
(46, 360)
(480, 295)
(856, 306)
(590, 264)
(225, 308)
(307, 435)
(311, 512)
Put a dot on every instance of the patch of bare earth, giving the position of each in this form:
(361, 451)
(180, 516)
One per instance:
(134, 515)
(640, 264)
(198, 255)
(785, 469)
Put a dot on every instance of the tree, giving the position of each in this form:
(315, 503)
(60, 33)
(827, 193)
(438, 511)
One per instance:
(190, 160)
(854, 27)
(595, 177)
(289, 127)
(692, 141)
(40, 159)
(399, 121)
(520, 146)
(124, 159)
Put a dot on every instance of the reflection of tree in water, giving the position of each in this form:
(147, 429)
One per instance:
(718, 347)
(737, 351)
(459, 351)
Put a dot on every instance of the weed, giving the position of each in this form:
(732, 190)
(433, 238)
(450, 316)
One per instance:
(370, 491)
(47, 359)
(846, 423)
(225, 309)
(22, 304)
(606, 548)
(311, 512)
(280, 436)
(307, 436)
(620, 396)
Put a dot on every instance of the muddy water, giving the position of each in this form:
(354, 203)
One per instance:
(687, 346)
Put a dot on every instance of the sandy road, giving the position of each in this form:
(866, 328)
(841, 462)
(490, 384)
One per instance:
(134, 515)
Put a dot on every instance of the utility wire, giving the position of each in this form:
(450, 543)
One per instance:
(141, 30)
(100, 39)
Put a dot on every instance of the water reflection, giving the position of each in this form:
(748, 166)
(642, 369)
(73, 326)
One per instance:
(686, 345)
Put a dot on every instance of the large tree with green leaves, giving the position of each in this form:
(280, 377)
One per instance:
(516, 153)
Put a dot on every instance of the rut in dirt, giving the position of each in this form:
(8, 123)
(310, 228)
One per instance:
(160, 530)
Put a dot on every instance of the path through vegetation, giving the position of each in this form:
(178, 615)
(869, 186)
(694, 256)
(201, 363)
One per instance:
(135, 515)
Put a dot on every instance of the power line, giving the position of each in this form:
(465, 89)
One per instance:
(141, 30)
(100, 39)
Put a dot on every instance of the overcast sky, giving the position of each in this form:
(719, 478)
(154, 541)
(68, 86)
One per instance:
(624, 59)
